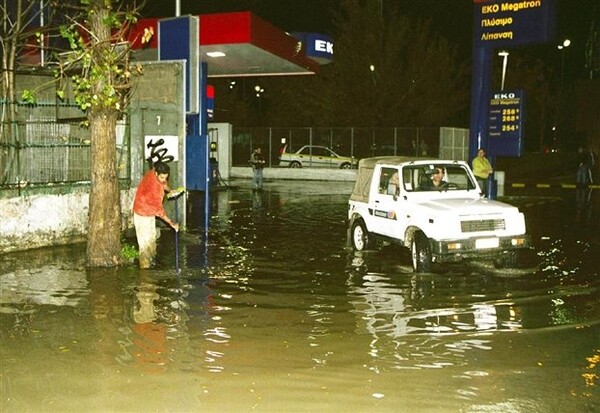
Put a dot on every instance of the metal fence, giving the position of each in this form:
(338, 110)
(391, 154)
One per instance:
(349, 141)
(45, 147)
(38, 150)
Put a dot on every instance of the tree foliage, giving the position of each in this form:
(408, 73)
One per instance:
(98, 63)
(388, 70)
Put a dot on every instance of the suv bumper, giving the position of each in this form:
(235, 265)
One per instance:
(481, 247)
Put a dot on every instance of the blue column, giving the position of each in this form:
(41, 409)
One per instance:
(204, 134)
(480, 98)
(198, 173)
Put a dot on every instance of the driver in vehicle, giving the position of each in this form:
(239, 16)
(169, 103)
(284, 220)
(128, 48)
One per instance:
(437, 180)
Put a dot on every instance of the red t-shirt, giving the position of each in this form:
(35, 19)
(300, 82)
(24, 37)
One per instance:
(149, 196)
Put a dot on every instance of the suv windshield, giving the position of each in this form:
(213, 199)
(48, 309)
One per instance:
(436, 177)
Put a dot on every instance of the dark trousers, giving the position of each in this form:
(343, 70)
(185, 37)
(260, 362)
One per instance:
(257, 178)
(483, 184)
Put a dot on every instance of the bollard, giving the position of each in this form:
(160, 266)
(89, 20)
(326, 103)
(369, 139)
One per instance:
(499, 176)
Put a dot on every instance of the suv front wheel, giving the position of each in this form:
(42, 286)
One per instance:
(421, 253)
(359, 235)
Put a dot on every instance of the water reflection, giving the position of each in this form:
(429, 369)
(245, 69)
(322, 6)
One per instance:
(51, 286)
(585, 206)
(270, 306)
(148, 338)
(399, 313)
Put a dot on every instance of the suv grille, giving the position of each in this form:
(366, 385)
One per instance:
(482, 225)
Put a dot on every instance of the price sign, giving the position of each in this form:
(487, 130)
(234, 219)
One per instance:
(506, 115)
(506, 122)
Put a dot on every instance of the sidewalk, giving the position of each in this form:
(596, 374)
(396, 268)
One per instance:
(562, 182)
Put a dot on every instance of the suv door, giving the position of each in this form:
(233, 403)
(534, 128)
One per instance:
(387, 217)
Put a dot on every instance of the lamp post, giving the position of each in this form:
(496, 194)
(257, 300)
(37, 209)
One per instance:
(561, 47)
(259, 91)
(372, 69)
(504, 54)
(566, 43)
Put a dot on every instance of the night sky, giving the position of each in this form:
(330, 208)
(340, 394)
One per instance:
(454, 18)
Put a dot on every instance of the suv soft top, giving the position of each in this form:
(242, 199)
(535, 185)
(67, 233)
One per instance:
(366, 166)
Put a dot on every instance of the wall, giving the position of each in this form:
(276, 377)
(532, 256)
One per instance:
(158, 108)
(33, 221)
(41, 220)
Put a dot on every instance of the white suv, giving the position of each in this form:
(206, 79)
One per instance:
(315, 156)
(396, 199)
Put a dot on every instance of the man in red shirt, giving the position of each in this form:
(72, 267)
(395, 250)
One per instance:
(147, 205)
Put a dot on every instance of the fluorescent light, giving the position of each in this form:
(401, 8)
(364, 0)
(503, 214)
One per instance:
(215, 54)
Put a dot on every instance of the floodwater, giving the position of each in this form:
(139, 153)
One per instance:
(271, 312)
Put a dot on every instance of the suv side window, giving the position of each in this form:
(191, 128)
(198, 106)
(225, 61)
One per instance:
(411, 177)
(389, 183)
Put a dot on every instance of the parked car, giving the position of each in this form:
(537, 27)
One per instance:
(315, 156)
(436, 209)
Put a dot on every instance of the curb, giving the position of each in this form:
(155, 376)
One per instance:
(548, 186)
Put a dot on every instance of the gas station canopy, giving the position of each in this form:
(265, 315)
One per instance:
(234, 45)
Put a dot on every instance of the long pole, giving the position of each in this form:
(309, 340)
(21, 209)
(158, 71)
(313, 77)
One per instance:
(42, 39)
(561, 47)
(174, 195)
(176, 238)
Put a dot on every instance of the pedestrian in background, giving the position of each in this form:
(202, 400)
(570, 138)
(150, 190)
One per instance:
(482, 170)
(586, 162)
(258, 163)
(147, 205)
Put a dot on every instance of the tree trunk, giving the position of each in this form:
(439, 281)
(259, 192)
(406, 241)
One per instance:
(104, 220)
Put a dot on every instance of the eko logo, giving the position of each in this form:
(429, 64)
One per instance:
(505, 96)
(323, 46)
(494, 8)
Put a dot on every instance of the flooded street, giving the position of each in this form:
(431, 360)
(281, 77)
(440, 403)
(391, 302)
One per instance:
(272, 312)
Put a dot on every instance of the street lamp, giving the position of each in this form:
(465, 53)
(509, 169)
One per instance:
(372, 69)
(566, 43)
(504, 54)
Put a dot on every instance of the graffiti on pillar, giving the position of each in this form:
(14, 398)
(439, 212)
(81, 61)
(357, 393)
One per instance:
(161, 148)
(158, 153)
